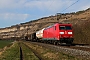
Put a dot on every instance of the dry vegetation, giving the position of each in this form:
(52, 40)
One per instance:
(82, 32)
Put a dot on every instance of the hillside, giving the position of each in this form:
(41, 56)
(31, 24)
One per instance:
(80, 21)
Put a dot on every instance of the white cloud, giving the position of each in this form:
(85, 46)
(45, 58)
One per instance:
(51, 5)
(42, 5)
(11, 3)
(13, 16)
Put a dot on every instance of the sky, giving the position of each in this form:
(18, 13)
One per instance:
(14, 12)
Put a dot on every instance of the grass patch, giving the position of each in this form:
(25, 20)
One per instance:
(4, 43)
(13, 53)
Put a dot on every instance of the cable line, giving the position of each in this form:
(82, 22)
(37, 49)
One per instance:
(70, 5)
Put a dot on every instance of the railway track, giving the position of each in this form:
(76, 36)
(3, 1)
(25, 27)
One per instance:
(84, 47)
(74, 50)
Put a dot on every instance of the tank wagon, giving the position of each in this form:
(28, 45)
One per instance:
(57, 33)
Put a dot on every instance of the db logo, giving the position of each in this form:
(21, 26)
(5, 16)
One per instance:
(65, 32)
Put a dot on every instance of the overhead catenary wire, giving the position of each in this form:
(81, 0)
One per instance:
(70, 5)
(66, 9)
(52, 2)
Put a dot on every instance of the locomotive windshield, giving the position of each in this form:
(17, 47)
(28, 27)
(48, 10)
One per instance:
(65, 28)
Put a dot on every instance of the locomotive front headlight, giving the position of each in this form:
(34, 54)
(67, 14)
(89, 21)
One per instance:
(69, 32)
(61, 32)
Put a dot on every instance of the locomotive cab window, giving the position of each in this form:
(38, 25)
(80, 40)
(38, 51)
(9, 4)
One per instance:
(65, 28)
(54, 27)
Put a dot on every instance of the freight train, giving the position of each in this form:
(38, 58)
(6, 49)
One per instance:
(57, 33)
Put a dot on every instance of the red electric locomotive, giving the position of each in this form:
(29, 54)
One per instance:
(58, 33)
